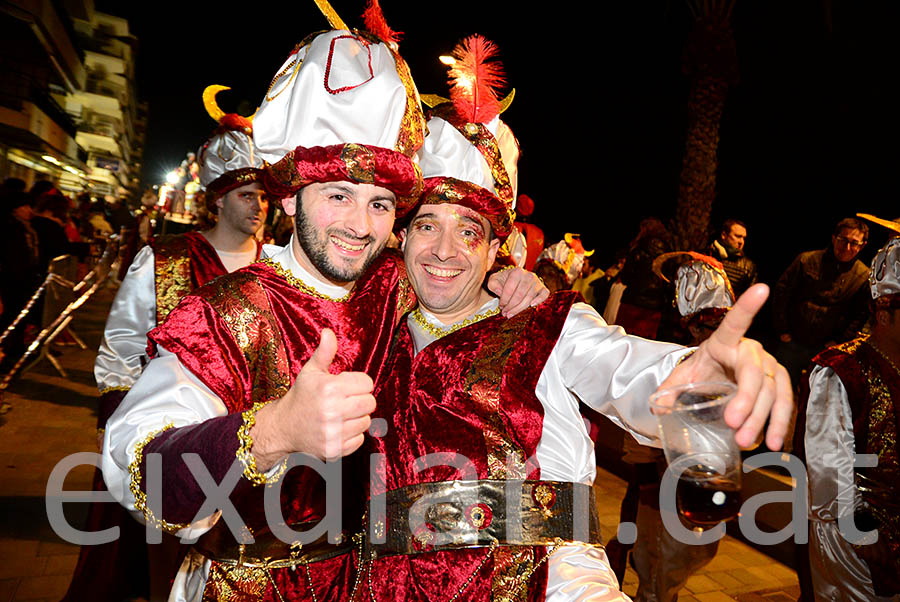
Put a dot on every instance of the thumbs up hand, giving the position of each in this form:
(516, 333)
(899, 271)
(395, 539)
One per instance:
(322, 414)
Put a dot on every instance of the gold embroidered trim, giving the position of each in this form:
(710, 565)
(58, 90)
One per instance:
(140, 498)
(437, 331)
(685, 357)
(106, 390)
(245, 455)
(297, 283)
(884, 355)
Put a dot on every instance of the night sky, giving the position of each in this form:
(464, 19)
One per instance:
(809, 134)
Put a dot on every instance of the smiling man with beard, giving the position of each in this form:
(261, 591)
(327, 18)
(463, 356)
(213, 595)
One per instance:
(281, 357)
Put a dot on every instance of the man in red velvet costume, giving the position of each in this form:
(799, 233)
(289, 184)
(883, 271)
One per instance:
(472, 401)
(159, 276)
(280, 357)
(172, 266)
(852, 408)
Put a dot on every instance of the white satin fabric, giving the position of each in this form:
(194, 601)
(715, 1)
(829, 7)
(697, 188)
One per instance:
(838, 574)
(123, 349)
(298, 110)
(614, 374)
(447, 152)
(169, 393)
(884, 277)
(226, 151)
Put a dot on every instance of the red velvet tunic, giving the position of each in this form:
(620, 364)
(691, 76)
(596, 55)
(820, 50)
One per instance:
(873, 390)
(470, 393)
(246, 336)
(183, 262)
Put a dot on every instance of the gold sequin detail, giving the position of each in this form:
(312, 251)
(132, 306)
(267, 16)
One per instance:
(299, 284)
(245, 455)
(412, 126)
(140, 498)
(257, 333)
(505, 457)
(229, 582)
(106, 390)
(406, 299)
(439, 332)
(360, 163)
(173, 279)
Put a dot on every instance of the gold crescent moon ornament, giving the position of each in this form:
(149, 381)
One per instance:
(889, 224)
(504, 104)
(209, 102)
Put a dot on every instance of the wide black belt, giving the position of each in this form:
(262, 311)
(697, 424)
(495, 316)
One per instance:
(267, 550)
(468, 514)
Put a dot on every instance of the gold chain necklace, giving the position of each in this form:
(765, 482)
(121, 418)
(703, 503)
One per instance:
(883, 354)
(296, 282)
(439, 332)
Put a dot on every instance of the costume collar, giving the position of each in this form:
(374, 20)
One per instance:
(284, 256)
(422, 338)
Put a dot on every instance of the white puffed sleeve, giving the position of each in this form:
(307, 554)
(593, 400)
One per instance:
(609, 371)
(837, 572)
(122, 352)
(166, 394)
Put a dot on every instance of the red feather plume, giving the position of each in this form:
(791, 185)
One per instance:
(377, 25)
(476, 79)
(233, 121)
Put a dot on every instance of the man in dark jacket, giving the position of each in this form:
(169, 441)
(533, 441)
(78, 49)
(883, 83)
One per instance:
(729, 249)
(821, 299)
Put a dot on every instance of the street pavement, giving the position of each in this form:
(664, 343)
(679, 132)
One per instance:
(53, 417)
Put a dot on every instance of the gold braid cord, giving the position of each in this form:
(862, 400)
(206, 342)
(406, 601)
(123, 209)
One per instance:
(140, 498)
(106, 390)
(329, 13)
(245, 455)
(297, 283)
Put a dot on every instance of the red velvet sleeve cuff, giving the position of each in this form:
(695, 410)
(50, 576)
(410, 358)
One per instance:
(109, 402)
(214, 440)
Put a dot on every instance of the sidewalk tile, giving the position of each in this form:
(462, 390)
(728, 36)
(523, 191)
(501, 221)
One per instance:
(61, 565)
(714, 597)
(37, 588)
(725, 579)
(723, 562)
(17, 548)
(745, 576)
(56, 549)
(23, 566)
(698, 584)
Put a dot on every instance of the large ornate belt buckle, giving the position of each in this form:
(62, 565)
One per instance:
(544, 495)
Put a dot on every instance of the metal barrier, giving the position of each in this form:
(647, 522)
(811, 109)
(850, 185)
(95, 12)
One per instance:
(58, 316)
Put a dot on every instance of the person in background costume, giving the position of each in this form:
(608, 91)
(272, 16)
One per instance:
(172, 266)
(854, 390)
(560, 264)
(474, 402)
(703, 296)
(159, 276)
(280, 357)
